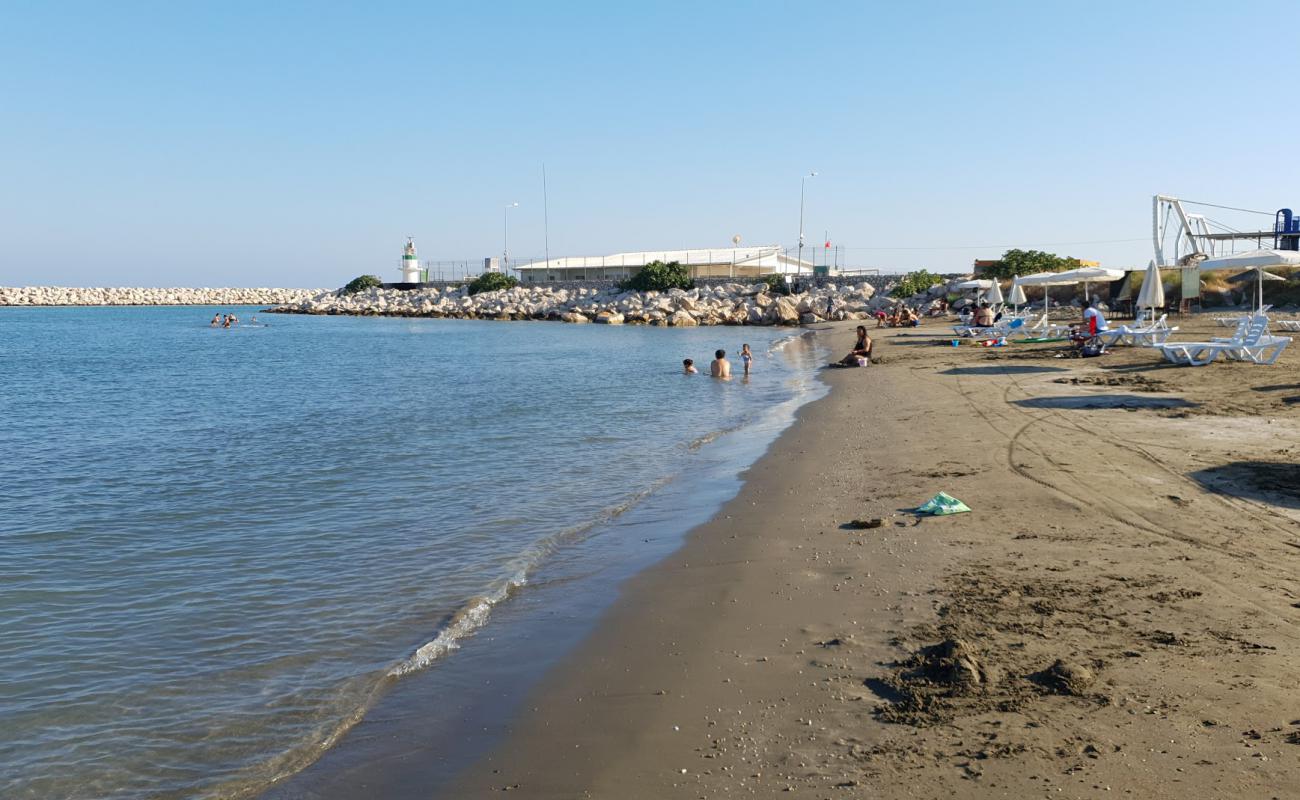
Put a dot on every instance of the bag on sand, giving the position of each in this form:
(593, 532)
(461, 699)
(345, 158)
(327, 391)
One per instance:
(942, 504)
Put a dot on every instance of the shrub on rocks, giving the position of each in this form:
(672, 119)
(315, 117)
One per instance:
(492, 282)
(776, 284)
(362, 283)
(915, 283)
(659, 277)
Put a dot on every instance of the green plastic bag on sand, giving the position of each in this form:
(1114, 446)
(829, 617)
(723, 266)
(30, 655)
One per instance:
(942, 504)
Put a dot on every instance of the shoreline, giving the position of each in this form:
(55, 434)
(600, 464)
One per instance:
(1118, 610)
(416, 728)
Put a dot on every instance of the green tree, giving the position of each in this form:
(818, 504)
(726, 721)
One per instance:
(362, 283)
(1027, 262)
(492, 281)
(659, 277)
(915, 283)
(776, 284)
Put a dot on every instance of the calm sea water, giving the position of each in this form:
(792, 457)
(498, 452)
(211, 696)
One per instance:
(219, 547)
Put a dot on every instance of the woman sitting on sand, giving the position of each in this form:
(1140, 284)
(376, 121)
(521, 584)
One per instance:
(861, 349)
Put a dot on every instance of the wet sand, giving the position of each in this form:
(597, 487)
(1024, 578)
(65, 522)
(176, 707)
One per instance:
(1119, 615)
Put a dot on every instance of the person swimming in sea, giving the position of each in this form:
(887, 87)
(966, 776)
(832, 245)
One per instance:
(216, 321)
(688, 366)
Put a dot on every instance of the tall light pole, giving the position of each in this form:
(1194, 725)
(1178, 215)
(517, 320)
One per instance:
(505, 237)
(802, 182)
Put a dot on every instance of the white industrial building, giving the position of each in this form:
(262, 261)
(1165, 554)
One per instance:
(730, 262)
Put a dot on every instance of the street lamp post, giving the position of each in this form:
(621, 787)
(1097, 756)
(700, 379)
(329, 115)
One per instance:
(802, 182)
(505, 237)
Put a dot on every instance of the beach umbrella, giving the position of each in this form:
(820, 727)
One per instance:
(1086, 275)
(1046, 279)
(977, 284)
(1259, 276)
(1256, 260)
(1152, 295)
(1017, 297)
(994, 294)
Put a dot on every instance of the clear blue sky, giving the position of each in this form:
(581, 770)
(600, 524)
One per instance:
(253, 143)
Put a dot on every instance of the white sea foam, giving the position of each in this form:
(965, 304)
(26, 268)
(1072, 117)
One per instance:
(471, 617)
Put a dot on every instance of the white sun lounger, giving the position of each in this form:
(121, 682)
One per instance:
(1142, 336)
(1043, 329)
(1252, 342)
(1266, 351)
(1002, 328)
(1289, 325)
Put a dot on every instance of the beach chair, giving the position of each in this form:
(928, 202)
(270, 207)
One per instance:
(1139, 335)
(997, 331)
(1044, 329)
(1289, 325)
(1252, 342)
(1265, 351)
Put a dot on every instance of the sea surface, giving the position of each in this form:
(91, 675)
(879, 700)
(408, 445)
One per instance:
(220, 548)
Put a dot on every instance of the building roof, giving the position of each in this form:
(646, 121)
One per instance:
(771, 256)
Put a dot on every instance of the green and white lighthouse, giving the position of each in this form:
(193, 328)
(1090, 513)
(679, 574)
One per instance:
(410, 263)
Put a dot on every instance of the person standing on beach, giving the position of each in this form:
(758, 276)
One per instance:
(721, 367)
(746, 357)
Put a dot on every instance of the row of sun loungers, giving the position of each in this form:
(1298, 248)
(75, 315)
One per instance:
(1251, 342)
(1017, 326)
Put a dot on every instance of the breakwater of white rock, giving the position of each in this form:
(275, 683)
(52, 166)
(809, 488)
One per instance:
(127, 296)
(722, 304)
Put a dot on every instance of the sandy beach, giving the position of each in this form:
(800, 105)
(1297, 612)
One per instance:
(1117, 616)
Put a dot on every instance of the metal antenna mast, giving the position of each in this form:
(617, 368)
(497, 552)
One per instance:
(546, 218)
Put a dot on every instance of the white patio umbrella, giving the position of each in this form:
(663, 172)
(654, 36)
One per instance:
(1256, 260)
(1046, 279)
(1086, 275)
(1258, 276)
(1017, 297)
(977, 284)
(1152, 295)
(994, 294)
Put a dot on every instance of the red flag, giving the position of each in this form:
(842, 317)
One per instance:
(828, 244)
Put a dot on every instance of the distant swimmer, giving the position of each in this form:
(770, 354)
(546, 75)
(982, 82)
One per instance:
(688, 366)
(216, 321)
(226, 322)
(721, 367)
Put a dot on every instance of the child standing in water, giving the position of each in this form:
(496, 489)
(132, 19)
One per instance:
(688, 366)
(747, 357)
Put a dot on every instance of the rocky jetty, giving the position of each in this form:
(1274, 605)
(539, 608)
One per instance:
(721, 304)
(125, 296)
